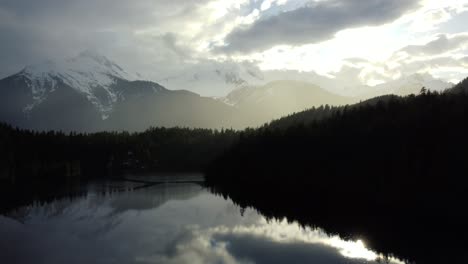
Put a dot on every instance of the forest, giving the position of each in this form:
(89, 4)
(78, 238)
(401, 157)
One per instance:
(44, 165)
(394, 171)
(29, 155)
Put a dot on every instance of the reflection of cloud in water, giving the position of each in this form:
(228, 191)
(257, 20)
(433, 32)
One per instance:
(266, 242)
(164, 224)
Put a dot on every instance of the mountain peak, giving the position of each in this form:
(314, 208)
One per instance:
(88, 73)
(87, 63)
(103, 61)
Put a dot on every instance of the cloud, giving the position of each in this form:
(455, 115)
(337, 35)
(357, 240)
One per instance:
(162, 39)
(316, 22)
(148, 221)
(110, 14)
(136, 31)
(267, 4)
(274, 242)
(442, 44)
(258, 249)
(442, 54)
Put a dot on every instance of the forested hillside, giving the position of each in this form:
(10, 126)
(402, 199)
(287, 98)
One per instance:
(391, 170)
(26, 155)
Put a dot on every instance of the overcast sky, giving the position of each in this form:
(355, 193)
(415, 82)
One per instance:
(379, 40)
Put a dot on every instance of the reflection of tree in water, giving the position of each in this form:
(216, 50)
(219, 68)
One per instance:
(153, 197)
(392, 171)
(108, 225)
(46, 207)
(109, 204)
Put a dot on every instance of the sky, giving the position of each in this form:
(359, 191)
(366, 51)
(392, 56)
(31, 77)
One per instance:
(360, 41)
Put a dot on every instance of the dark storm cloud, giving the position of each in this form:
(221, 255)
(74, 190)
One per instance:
(98, 13)
(25, 44)
(33, 30)
(314, 23)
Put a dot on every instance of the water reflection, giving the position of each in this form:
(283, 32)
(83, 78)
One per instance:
(165, 223)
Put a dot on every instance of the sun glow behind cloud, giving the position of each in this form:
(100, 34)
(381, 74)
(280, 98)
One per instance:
(299, 35)
(377, 45)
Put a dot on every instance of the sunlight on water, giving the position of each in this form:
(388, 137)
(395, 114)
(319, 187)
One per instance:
(352, 249)
(167, 223)
(357, 249)
(293, 234)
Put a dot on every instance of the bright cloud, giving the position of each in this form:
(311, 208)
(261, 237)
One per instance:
(272, 242)
(160, 39)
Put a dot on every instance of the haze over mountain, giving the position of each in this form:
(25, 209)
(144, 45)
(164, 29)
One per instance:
(346, 117)
(404, 86)
(89, 92)
(225, 54)
(184, 44)
(222, 77)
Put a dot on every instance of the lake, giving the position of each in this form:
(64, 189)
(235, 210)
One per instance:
(162, 219)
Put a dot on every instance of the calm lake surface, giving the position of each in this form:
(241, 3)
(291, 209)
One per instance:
(172, 220)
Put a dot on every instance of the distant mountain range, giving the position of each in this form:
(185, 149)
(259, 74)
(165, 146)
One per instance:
(407, 85)
(90, 93)
(261, 104)
(214, 79)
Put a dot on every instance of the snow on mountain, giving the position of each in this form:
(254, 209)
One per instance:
(216, 79)
(104, 85)
(86, 73)
(311, 84)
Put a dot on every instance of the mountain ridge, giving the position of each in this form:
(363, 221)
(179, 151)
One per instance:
(88, 73)
(90, 92)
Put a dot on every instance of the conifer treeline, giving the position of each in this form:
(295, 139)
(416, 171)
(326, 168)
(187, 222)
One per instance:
(29, 154)
(390, 168)
(394, 171)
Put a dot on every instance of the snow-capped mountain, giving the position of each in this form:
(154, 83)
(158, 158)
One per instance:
(320, 90)
(88, 73)
(90, 92)
(257, 91)
(276, 99)
(216, 79)
(297, 94)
